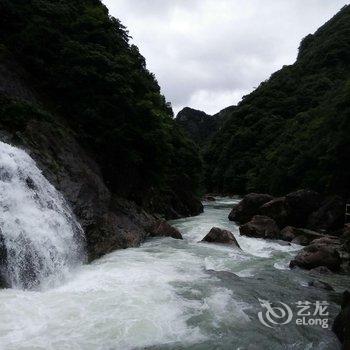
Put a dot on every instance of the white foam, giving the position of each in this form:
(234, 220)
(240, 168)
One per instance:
(42, 238)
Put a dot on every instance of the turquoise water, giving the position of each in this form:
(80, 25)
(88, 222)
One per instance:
(172, 294)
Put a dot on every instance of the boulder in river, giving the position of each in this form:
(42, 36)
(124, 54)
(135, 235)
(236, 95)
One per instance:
(329, 217)
(248, 207)
(301, 204)
(218, 235)
(162, 229)
(260, 227)
(341, 325)
(315, 255)
(277, 209)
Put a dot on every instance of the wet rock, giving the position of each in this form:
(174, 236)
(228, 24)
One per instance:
(316, 255)
(321, 270)
(248, 207)
(320, 285)
(163, 229)
(301, 204)
(277, 209)
(300, 235)
(3, 259)
(218, 235)
(329, 217)
(341, 325)
(30, 183)
(209, 198)
(301, 240)
(260, 227)
(288, 233)
(327, 240)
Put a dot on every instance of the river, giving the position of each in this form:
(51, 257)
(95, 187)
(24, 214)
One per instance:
(172, 294)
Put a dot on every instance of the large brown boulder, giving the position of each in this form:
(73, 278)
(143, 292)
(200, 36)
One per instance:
(301, 204)
(218, 235)
(329, 217)
(341, 325)
(316, 255)
(162, 229)
(248, 207)
(277, 209)
(260, 227)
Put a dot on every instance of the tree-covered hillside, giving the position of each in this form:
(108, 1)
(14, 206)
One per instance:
(198, 125)
(293, 131)
(81, 63)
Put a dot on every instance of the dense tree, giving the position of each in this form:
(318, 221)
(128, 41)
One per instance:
(81, 60)
(293, 131)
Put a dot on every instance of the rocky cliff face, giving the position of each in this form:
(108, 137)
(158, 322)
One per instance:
(109, 221)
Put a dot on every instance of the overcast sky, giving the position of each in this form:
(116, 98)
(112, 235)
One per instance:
(207, 54)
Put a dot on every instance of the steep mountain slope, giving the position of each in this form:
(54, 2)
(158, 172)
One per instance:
(85, 75)
(199, 126)
(293, 131)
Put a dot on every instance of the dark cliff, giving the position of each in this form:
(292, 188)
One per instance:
(78, 97)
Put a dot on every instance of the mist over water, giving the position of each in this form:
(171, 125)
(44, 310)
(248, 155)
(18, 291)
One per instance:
(170, 294)
(40, 238)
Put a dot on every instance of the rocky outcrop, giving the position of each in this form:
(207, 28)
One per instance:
(109, 222)
(341, 325)
(198, 125)
(329, 217)
(162, 229)
(300, 235)
(218, 235)
(316, 255)
(260, 227)
(248, 207)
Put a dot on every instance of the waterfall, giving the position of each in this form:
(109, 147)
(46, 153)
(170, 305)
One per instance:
(40, 239)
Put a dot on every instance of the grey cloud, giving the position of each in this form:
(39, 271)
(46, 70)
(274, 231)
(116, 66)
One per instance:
(208, 53)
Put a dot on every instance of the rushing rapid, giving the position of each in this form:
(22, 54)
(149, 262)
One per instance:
(40, 240)
(170, 294)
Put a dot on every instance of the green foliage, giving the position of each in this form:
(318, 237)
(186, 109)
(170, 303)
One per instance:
(15, 114)
(293, 131)
(80, 57)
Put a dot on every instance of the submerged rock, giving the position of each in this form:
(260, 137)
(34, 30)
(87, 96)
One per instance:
(320, 285)
(218, 235)
(321, 270)
(341, 325)
(248, 207)
(260, 227)
(163, 229)
(316, 255)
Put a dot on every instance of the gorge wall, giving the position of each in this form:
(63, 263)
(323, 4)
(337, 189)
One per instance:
(77, 97)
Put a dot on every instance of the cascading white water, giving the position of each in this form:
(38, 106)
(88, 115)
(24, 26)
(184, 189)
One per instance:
(40, 239)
